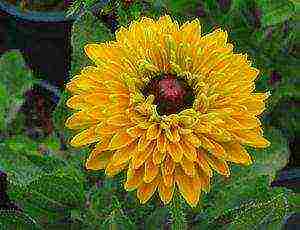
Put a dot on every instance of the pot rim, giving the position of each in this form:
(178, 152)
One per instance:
(55, 16)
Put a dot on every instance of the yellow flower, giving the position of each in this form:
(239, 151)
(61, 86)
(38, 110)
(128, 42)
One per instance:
(168, 105)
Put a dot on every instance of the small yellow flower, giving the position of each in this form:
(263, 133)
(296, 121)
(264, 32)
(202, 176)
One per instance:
(168, 105)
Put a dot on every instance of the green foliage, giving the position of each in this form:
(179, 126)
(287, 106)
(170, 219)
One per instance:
(10, 219)
(54, 190)
(177, 212)
(20, 170)
(78, 5)
(246, 183)
(263, 214)
(276, 11)
(16, 79)
(86, 29)
(157, 219)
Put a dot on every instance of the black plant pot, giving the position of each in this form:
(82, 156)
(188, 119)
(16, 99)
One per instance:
(44, 39)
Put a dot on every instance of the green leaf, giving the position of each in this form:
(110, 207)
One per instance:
(157, 219)
(270, 160)
(47, 163)
(19, 169)
(116, 220)
(294, 202)
(41, 155)
(105, 211)
(265, 214)
(177, 212)
(3, 104)
(181, 5)
(285, 116)
(10, 219)
(15, 80)
(58, 191)
(276, 11)
(246, 182)
(60, 115)
(51, 197)
(86, 29)
(135, 11)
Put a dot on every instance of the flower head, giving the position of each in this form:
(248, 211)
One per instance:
(167, 105)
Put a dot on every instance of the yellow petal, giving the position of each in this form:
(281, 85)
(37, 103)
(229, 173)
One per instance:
(237, 154)
(87, 84)
(247, 122)
(134, 178)
(203, 164)
(196, 181)
(101, 53)
(172, 134)
(120, 140)
(165, 193)
(175, 151)
(191, 31)
(216, 149)
(140, 157)
(153, 132)
(158, 156)
(118, 120)
(93, 51)
(161, 143)
(168, 180)
(146, 190)
(135, 131)
(143, 143)
(78, 102)
(97, 161)
(205, 180)
(87, 136)
(104, 129)
(112, 170)
(168, 166)
(123, 155)
(185, 185)
(97, 99)
(189, 151)
(188, 167)
(252, 138)
(166, 25)
(80, 120)
(193, 139)
(218, 37)
(151, 170)
(219, 165)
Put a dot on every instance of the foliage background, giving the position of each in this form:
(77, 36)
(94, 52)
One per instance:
(48, 187)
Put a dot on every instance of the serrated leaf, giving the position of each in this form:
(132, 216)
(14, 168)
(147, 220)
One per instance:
(57, 191)
(47, 163)
(19, 169)
(276, 11)
(15, 80)
(27, 155)
(10, 219)
(263, 214)
(270, 160)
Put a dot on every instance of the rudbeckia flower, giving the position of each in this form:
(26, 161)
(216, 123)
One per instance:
(168, 105)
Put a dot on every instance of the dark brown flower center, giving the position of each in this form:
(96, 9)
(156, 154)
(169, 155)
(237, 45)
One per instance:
(172, 94)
